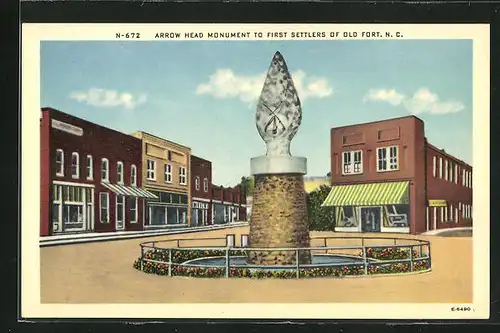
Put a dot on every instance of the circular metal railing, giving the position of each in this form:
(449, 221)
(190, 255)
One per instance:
(376, 255)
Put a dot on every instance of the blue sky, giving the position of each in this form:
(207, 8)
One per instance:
(203, 94)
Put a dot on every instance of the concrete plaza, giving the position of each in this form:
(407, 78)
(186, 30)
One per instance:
(102, 272)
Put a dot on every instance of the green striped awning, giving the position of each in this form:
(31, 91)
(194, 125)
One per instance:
(131, 191)
(374, 194)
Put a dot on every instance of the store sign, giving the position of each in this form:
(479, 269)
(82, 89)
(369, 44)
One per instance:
(200, 205)
(68, 128)
(437, 203)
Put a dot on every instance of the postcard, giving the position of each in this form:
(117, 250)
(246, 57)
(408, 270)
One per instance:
(308, 171)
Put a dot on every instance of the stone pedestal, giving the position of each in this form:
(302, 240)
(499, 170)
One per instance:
(279, 219)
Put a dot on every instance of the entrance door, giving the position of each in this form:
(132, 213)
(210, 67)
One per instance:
(370, 219)
(88, 217)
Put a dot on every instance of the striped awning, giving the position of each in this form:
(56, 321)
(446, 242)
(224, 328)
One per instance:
(131, 191)
(374, 194)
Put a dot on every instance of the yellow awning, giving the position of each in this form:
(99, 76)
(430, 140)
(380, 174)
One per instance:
(374, 194)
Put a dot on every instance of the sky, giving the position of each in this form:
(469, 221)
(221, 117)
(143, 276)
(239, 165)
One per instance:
(203, 94)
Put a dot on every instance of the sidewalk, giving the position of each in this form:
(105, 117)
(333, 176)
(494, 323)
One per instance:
(440, 232)
(107, 236)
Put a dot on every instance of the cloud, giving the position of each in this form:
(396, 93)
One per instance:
(224, 83)
(422, 101)
(103, 98)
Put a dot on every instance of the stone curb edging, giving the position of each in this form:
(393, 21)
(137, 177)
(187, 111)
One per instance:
(100, 238)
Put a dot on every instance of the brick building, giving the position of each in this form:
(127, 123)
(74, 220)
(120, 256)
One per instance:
(228, 204)
(386, 177)
(201, 191)
(90, 177)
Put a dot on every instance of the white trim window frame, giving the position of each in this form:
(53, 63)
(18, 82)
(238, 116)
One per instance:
(90, 167)
(120, 200)
(450, 173)
(445, 214)
(59, 162)
(151, 170)
(440, 167)
(434, 166)
(168, 173)
(434, 217)
(456, 214)
(182, 176)
(352, 162)
(446, 170)
(75, 165)
(387, 159)
(133, 175)
(451, 214)
(119, 172)
(442, 214)
(205, 184)
(197, 182)
(470, 179)
(133, 210)
(455, 178)
(105, 170)
(105, 207)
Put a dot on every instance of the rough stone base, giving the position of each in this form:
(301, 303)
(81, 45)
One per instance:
(279, 219)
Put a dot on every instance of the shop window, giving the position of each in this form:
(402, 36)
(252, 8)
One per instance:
(182, 176)
(105, 170)
(90, 167)
(168, 173)
(397, 216)
(434, 216)
(75, 165)
(151, 170)
(352, 162)
(197, 183)
(119, 172)
(442, 214)
(132, 208)
(104, 207)
(346, 217)
(387, 159)
(133, 175)
(59, 162)
(456, 214)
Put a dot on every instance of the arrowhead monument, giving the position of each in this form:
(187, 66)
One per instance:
(279, 213)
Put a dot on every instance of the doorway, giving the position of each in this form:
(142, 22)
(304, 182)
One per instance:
(370, 219)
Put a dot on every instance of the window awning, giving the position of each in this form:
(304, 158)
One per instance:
(131, 191)
(374, 194)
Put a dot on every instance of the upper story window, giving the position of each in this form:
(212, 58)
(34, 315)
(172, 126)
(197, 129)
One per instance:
(182, 176)
(75, 165)
(151, 170)
(169, 155)
(456, 174)
(434, 166)
(90, 167)
(451, 171)
(445, 169)
(119, 172)
(387, 159)
(205, 184)
(133, 175)
(441, 168)
(105, 170)
(197, 183)
(59, 162)
(352, 162)
(168, 173)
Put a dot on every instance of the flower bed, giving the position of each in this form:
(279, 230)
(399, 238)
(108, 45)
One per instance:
(180, 256)
(390, 253)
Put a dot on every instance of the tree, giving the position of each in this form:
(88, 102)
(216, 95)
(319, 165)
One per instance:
(247, 184)
(320, 218)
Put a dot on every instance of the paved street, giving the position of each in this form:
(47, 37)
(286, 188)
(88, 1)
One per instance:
(102, 272)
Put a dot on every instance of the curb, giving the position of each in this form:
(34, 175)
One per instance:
(100, 238)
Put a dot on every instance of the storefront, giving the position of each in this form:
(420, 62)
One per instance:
(373, 207)
(219, 213)
(199, 212)
(72, 207)
(169, 209)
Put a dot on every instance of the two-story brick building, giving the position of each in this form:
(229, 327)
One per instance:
(165, 173)
(386, 177)
(201, 191)
(228, 204)
(89, 177)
